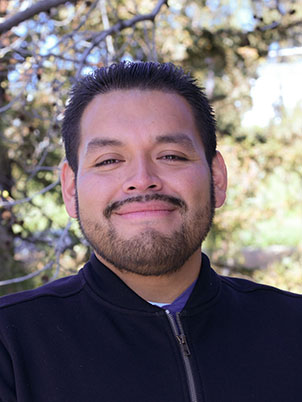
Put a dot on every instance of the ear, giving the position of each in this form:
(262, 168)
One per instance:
(220, 179)
(69, 189)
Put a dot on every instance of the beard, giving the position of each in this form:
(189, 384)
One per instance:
(149, 253)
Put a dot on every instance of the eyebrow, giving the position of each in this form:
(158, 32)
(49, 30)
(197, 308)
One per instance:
(97, 143)
(180, 138)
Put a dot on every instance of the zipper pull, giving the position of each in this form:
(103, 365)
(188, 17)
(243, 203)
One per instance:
(183, 343)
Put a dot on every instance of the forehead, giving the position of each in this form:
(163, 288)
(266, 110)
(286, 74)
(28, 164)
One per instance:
(145, 112)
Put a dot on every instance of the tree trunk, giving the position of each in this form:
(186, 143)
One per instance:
(9, 268)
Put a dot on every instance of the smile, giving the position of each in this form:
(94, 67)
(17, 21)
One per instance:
(145, 210)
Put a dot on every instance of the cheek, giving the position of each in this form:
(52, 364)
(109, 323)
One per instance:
(93, 193)
(195, 187)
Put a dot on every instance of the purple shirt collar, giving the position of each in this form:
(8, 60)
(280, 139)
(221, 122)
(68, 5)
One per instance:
(178, 304)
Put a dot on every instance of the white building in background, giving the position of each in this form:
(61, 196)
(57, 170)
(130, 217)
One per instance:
(277, 80)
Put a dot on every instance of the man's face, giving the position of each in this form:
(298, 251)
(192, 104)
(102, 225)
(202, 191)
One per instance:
(144, 196)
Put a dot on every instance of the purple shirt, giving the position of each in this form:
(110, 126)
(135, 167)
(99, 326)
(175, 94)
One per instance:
(178, 304)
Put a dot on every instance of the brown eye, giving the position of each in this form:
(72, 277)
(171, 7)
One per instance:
(108, 162)
(173, 158)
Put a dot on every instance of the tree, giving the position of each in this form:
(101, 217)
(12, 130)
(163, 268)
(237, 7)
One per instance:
(49, 44)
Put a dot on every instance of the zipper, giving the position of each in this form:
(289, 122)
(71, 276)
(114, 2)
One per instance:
(185, 352)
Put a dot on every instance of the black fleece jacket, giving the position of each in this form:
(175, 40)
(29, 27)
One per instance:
(89, 338)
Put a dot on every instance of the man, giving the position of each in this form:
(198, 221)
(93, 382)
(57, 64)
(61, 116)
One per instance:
(147, 319)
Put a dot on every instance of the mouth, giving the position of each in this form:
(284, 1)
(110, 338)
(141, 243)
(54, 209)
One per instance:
(147, 205)
(145, 210)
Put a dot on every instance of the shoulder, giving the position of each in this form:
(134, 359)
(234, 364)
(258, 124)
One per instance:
(248, 286)
(60, 288)
(263, 295)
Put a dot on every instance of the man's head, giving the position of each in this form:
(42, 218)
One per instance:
(139, 75)
(142, 185)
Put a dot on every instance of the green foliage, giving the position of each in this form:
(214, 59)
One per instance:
(222, 43)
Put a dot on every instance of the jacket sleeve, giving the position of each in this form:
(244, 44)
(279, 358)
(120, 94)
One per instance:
(7, 382)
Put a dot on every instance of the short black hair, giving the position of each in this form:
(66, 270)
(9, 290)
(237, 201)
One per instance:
(127, 75)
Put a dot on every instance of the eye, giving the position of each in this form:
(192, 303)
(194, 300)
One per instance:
(107, 162)
(173, 158)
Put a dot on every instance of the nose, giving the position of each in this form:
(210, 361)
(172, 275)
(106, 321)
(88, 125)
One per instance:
(142, 178)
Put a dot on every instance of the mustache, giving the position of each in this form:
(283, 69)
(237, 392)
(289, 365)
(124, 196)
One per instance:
(144, 198)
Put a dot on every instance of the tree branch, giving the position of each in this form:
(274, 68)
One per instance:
(118, 27)
(42, 5)
(27, 199)
(6, 107)
(59, 249)
(106, 25)
(28, 276)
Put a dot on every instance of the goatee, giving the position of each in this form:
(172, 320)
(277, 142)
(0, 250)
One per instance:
(149, 253)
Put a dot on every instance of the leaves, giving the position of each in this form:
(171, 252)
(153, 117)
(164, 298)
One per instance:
(44, 49)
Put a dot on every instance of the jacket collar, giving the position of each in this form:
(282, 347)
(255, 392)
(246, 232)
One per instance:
(111, 289)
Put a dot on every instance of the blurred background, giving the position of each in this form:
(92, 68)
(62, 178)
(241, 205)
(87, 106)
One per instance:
(247, 54)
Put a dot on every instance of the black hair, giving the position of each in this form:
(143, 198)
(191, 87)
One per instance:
(127, 75)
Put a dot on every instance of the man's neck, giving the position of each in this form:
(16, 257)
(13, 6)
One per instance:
(161, 289)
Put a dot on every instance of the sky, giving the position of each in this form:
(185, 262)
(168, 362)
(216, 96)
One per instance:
(276, 81)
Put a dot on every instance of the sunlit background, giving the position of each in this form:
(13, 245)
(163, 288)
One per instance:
(248, 57)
